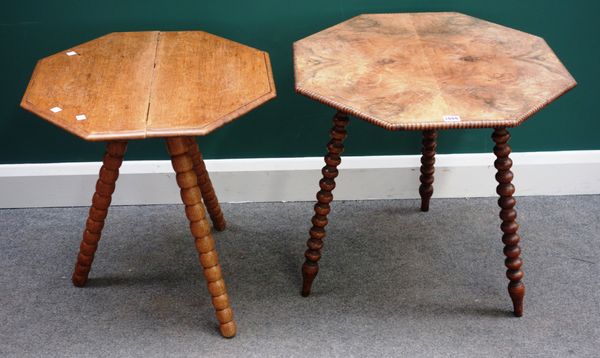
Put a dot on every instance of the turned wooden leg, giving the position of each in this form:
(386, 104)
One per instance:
(183, 164)
(105, 186)
(335, 147)
(427, 168)
(508, 214)
(208, 192)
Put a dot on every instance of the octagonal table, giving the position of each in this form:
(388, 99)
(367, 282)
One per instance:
(134, 85)
(428, 71)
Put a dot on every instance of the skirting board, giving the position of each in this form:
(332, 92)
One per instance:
(296, 179)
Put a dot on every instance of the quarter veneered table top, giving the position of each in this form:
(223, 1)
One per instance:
(149, 84)
(429, 70)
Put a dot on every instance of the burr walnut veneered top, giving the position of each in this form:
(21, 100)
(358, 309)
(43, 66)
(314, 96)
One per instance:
(149, 84)
(429, 70)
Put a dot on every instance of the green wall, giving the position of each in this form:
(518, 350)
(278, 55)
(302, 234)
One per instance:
(290, 125)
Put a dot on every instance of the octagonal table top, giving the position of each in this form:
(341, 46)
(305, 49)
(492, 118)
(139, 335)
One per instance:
(132, 85)
(419, 71)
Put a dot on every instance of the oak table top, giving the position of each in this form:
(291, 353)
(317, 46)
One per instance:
(132, 85)
(423, 71)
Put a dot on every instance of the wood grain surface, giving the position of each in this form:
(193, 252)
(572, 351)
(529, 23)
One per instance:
(133, 85)
(107, 81)
(410, 71)
(203, 81)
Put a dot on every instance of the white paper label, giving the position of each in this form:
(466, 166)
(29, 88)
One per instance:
(56, 109)
(80, 117)
(71, 53)
(452, 118)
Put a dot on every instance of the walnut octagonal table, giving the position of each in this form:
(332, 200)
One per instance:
(135, 85)
(428, 71)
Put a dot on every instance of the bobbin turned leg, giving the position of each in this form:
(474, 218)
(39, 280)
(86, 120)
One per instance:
(324, 197)
(208, 192)
(178, 148)
(427, 168)
(508, 214)
(105, 186)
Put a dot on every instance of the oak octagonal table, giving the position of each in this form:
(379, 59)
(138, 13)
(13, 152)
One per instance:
(134, 85)
(428, 71)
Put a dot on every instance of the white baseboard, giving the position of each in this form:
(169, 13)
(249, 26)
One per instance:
(296, 179)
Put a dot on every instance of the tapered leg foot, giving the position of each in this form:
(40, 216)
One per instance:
(183, 165)
(208, 192)
(510, 238)
(427, 168)
(517, 294)
(105, 186)
(309, 272)
(335, 148)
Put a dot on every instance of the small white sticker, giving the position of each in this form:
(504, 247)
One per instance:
(451, 118)
(71, 53)
(80, 117)
(56, 109)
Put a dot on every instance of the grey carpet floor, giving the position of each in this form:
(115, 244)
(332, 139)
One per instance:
(393, 282)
